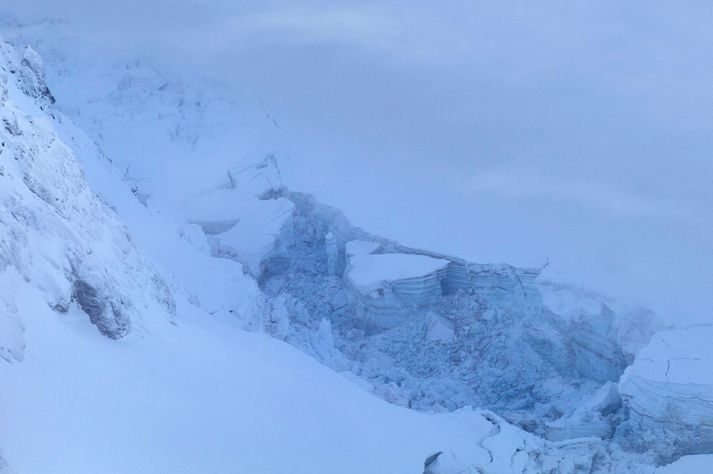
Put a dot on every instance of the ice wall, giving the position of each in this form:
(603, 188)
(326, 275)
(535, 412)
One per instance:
(432, 331)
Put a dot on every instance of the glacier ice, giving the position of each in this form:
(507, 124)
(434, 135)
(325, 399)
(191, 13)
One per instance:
(668, 393)
(432, 331)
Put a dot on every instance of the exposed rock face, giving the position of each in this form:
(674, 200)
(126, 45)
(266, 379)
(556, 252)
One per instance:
(105, 314)
(55, 234)
(32, 77)
(668, 392)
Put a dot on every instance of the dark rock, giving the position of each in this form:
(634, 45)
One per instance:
(107, 316)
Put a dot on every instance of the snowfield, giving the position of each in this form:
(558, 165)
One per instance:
(203, 396)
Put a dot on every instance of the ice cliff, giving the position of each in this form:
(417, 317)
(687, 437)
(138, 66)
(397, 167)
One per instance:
(432, 331)
(668, 393)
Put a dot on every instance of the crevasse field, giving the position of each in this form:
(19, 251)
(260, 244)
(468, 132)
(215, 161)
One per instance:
(374, 238)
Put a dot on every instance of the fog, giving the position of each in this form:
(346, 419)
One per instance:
(519, 132)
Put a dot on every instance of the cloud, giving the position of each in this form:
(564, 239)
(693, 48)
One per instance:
(510, 123)
(592, 193)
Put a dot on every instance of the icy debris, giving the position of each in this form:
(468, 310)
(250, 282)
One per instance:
(595, 417)
(633, 327)
(439, 329)
(668, 392)
(506, 449)
(434, 332)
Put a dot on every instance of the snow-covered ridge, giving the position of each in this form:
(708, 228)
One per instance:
(56, 234)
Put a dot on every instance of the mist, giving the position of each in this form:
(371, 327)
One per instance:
(578, 134)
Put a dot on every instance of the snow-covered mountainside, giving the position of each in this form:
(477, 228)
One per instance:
(170, 389)
(174, 269)
(57, 235)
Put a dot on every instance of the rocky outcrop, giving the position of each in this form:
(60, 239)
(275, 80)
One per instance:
(668, 392)
(107, 315)
(55, 233)
(32, 77)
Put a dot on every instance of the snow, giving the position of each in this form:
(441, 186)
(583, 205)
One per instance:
(202, 396)
(689, 352)
(358, 247)
(699, 464)
(207, 217)
(184, 388)
(370, 271)
(669, 391)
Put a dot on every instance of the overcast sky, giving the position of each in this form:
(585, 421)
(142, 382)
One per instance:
(496, 130)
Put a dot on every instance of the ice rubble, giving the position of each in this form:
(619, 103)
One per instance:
(430, 331)
(434, 332)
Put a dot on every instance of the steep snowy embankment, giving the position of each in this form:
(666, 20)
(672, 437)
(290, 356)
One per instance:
(204, 396)
(56, 235)
(170, 389)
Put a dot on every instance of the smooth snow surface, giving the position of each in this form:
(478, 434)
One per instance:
(369, 271)
(700, 464)
(201, 396)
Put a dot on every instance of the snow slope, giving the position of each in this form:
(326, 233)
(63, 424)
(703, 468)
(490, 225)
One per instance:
(55, 232)
(202, 396)
(170, 389)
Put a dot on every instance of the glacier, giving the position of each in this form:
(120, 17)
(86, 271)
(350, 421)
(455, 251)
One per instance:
(564, 380)
(668, 392)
